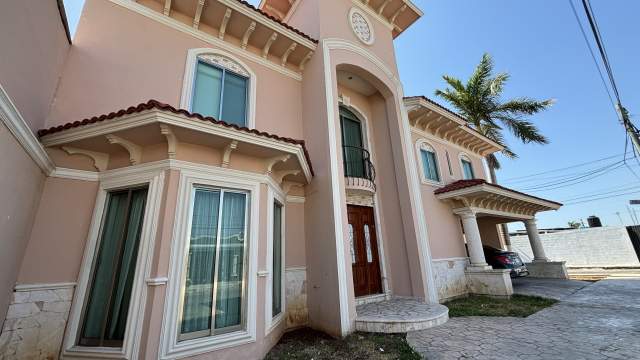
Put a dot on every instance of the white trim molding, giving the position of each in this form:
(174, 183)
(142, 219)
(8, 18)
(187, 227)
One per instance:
(48, 286)
(154, 178)
(233, 64)
(272, 322)
(73, 174)
(13, 120)
(211, 39)
(423, 144)
(428, 283)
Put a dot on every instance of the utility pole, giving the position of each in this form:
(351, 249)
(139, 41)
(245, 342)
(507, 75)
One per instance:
(632, 131)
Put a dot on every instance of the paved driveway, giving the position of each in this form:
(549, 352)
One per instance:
(597, 321)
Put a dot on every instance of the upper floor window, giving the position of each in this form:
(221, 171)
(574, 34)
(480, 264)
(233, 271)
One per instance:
(218, 85)
(220, 93)
(467, 167)
(429, 160)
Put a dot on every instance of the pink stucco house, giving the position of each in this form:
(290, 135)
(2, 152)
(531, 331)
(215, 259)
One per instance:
(192, 178)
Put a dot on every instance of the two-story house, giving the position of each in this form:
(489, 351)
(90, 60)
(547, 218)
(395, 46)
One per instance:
(191, 178)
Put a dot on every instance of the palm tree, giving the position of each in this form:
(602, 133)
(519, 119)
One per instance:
(479, 102)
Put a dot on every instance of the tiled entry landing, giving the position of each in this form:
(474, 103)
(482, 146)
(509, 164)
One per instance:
(399, 315)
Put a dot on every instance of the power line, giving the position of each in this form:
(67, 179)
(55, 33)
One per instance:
(594, 195)
(593, 56)
(601, 198)
(623, 187)
(578, 179)
(563, 168)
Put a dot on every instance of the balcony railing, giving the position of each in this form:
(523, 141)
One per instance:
(357, 163)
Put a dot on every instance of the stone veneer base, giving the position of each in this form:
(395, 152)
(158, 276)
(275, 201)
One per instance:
(35, 322)
(548, 269)
(399, 315)
(494, 282)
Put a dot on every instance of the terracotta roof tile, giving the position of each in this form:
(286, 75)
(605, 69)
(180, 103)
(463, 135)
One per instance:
(154, 104)
(277, 20)
(463, 184)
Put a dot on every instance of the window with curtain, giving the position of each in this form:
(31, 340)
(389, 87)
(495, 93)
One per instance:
(105, 314)
(276, 304)
(429, 163)
(214, 291)
(467, 168)
(220, 93)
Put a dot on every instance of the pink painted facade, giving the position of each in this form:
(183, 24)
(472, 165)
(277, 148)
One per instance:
(306, 75)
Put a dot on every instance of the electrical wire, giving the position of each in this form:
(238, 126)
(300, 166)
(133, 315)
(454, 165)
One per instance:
(560, 169)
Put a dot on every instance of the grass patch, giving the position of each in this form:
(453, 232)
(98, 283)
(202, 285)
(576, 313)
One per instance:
(517, 306)
(310, 344)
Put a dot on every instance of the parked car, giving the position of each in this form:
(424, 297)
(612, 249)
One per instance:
(501, 259)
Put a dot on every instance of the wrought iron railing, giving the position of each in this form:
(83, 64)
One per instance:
(357, 163)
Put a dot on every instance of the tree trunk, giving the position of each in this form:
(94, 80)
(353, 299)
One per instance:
(503, 229)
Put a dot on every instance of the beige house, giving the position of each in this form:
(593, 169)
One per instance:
(192, 178)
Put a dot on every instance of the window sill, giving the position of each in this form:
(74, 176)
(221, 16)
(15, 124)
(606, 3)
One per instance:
(431, 182)
(208, 344)
(275, 322)
(84, 352)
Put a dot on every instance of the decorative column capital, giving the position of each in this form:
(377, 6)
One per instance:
(465, 213)
(531, 222)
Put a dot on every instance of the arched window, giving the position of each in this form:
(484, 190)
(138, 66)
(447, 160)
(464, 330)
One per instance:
(429, 162)
(219, 86)
(467, 167)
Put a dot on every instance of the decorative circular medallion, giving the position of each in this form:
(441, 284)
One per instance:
(361, 26)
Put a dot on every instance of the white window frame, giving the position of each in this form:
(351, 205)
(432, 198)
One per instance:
(272, 322)
(190, 76)
(119, 179)
(465, 157)
(423, 144)
(170, 346)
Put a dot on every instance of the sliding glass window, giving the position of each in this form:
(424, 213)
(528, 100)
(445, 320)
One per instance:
(215, 292)
(105, 314)
(276, 307)
(220, 93)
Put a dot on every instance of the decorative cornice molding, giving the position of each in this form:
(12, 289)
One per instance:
(48, 286)
(73, 174)
(18, 127)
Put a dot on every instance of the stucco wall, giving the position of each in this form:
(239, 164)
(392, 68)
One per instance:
(21, 182)
(605, 246)
(34, 46)
(114, 67)
(445, 229)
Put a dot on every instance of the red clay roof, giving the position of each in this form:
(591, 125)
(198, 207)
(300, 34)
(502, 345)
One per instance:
(463, 184)
(154, 104)
(276, 20)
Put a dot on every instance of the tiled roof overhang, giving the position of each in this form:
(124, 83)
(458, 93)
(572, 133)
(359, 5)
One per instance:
(61, 134)
(428, 116)
(479, 194)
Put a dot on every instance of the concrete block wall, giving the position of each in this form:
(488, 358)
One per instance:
(605, 246)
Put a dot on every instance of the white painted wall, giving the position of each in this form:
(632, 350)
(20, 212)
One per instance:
(605, 246)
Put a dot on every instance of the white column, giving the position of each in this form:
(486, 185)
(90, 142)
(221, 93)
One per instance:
(534, 239)
(474, 241)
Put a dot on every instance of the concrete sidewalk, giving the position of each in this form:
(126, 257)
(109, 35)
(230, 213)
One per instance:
(591, 321)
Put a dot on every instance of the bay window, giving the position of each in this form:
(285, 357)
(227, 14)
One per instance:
(214, 296)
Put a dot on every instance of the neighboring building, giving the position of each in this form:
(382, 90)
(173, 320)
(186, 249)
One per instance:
(272, 175)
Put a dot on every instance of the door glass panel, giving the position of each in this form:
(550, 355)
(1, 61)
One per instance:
(277, 260)
(114, 269)
(198, 296)
(367, 240)
(231, 265)
(353, 249)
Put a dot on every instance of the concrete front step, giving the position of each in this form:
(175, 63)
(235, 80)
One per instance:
(399, 315)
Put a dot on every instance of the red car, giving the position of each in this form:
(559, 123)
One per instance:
(502, 259)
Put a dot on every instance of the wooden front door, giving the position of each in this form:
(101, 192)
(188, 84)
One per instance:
(364, 251)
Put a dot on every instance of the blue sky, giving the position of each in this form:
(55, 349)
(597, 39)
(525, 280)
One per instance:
(539, 43)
